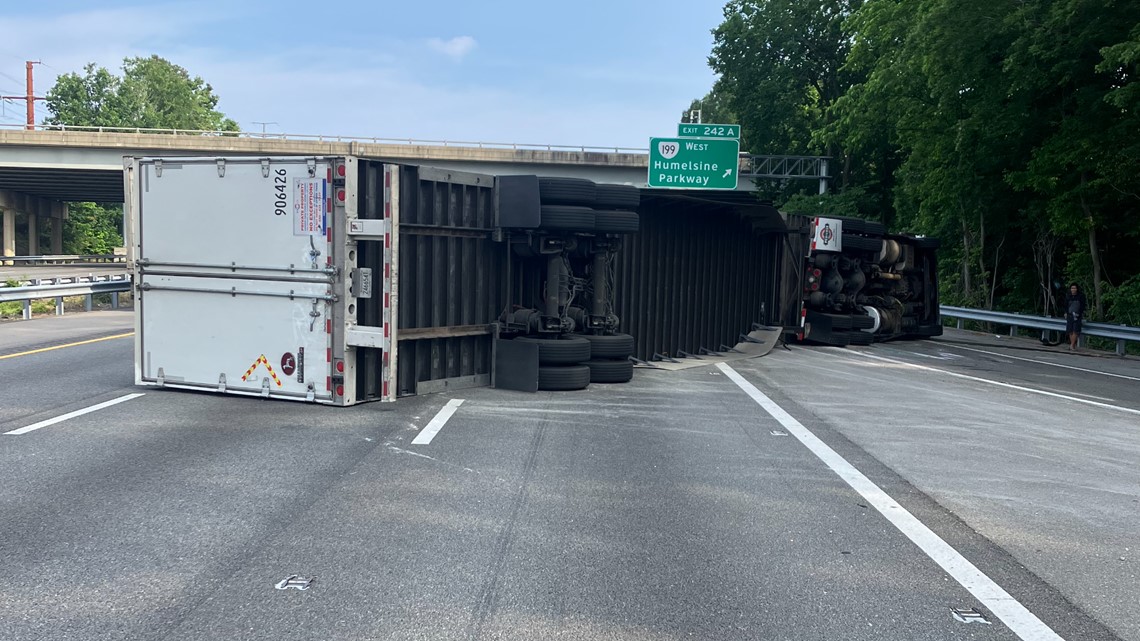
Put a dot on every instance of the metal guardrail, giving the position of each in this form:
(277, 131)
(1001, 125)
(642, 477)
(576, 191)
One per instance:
(65, 259)
(78, 279)
(1120, 333)
(113, 285)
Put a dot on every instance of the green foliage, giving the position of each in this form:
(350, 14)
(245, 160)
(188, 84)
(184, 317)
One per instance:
(780, 63)
(152, 93)
(1007, 128)
(16, 309)
(848, 203)
(1124, 302)
(92, 229)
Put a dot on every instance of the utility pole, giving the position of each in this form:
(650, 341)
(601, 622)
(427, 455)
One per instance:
(31, 96)
(257, 122)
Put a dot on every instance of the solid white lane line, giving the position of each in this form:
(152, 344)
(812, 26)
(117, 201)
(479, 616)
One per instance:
(428, 433)
(999, 383)
(1016, 616)
(1032, 360)
(69, 415)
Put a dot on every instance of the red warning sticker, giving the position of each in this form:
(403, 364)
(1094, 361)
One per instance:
(288, 364)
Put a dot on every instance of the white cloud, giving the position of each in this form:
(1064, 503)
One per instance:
(456, 48)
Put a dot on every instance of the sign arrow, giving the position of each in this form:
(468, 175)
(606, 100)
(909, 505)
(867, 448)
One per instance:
(727, 173)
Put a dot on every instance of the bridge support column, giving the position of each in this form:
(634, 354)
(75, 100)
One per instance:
(36, 210)
(58, 214)
(33, 235)
(9, 228)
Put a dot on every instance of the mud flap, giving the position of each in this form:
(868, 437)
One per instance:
(516, 365)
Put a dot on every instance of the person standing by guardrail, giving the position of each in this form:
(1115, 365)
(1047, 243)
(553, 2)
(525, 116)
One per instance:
(1075, 305)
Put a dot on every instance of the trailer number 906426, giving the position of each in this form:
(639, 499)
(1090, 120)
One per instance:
(280, 193)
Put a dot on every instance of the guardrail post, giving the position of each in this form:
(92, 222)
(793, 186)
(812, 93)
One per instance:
(1120, 347)
(87, 302)
(114, 300)
(27, 309)
(1013, 330)
(961, 323)
(59, 305)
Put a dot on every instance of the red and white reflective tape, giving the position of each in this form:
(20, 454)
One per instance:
(387, 284)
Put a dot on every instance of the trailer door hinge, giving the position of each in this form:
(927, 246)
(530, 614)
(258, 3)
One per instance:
(221, 168)
(265, 387)
(314, 315)
(161, 377)
(265, 168)
(312, 164)
(158, 168)
(222, 383)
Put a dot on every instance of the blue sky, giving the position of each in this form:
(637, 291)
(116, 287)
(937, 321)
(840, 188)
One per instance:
(571, 73)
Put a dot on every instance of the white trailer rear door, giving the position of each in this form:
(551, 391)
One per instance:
(235, 280)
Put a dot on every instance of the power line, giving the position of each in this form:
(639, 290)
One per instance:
(10, 54)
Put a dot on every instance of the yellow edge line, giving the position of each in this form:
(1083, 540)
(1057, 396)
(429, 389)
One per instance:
(48, 349)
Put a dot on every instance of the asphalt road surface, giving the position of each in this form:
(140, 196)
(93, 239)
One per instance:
(815, 493)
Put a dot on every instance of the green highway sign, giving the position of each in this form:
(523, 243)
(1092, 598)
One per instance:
(697, 130)
(687, 163)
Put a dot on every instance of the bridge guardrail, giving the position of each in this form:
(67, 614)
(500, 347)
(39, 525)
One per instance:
(1120, 333)
(113, 285)
(328, 138)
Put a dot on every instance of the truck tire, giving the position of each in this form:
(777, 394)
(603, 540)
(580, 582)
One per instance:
(860, 338)
(566, 350)
(616, 222)
(618, 197)
(862, 322)
(610, 371)
(563, 379)
(861, 243)
(567, 191)
(563, 217)
(860, 226)
(615, 346)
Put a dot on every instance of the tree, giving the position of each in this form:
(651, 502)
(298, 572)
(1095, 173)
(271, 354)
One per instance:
(92, 229)
(1008, 128)
(95, 99)
(783, 69)
(1076, 61)
(780, 62)
(152, 93)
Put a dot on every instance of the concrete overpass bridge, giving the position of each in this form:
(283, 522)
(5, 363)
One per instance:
(43, 168)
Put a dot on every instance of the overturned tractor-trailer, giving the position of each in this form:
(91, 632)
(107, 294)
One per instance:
(341, 280)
